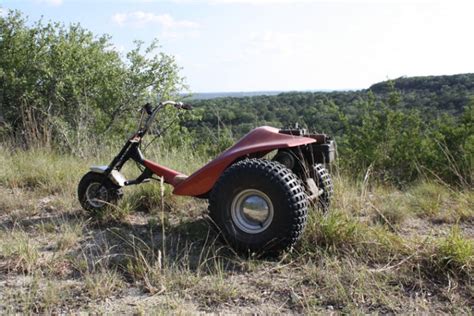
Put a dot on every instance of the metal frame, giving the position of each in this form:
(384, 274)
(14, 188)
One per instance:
(131, 150)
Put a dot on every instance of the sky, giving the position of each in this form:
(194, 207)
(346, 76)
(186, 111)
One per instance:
(264, 45)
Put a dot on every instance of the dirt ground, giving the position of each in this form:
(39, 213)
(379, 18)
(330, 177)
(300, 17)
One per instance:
(55, 259)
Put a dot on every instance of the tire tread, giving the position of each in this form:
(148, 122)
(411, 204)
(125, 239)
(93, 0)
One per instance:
(295, 195)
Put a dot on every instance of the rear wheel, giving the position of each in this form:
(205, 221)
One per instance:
(324, 183)
(259, 206)
(97, 192)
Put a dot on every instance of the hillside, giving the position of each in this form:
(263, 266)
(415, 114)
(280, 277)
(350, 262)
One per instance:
(435, 93)
(431, 96)
(410, 122)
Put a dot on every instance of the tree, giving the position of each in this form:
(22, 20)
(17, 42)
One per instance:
(62, 85)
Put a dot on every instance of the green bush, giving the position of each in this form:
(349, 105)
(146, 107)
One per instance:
(63, 85)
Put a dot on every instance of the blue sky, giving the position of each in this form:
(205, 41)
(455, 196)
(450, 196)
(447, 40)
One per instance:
(253, 45)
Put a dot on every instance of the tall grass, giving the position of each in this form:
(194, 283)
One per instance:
(376, 246)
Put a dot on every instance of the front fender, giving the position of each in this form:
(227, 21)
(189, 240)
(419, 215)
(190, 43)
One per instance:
(263, 139)
(115, 175)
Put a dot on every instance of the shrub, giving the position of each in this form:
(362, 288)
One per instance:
(62, 85)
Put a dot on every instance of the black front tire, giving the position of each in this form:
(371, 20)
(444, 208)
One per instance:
(253, 187)
(97, 193)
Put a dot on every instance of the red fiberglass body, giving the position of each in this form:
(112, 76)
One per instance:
(259, 141)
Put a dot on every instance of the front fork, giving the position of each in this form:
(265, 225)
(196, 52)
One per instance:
(132, 151)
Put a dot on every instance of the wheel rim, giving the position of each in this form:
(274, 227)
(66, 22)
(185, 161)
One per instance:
(252, 211)
(96, 195)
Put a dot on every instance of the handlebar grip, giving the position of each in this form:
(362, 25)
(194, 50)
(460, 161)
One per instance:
(187, 107)
(182, 106)
(148, 108)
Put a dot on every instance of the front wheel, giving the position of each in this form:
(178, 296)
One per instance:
(259, 206)
(97, 192)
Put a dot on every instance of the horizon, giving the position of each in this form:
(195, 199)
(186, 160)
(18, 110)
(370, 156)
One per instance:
(281, 45)
(325, 90)
(270, 91)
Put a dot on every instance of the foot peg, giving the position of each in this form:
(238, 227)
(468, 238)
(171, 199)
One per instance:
(136, 181)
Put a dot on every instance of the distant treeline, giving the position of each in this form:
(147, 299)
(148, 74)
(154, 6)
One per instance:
(431, 96)
(397, 129)
(214, 95)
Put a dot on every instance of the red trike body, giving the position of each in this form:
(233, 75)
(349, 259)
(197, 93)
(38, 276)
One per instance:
(257, 143)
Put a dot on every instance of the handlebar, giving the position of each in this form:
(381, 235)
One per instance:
(148, 108)
(178, 105)
(152, 112)
(187, 106)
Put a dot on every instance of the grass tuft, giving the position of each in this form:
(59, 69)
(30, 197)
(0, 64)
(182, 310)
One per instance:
(100, 285)
(334, 231)
(147, 198)
(427, 199)
(69, 234)
(18, 252)
(455, 253)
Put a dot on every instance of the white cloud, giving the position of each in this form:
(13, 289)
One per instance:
(141, 18)
(170, 27)
(51, 2)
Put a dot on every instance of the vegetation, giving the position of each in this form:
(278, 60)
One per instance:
(398, 130)
(61, 86)
(399, 236)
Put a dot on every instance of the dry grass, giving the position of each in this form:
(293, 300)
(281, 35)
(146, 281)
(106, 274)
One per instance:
(103, 284)
(378, 250)
(455, 253)
(18, 252)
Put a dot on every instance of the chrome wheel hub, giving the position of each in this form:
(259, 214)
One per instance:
(96, 195)
(252, 211)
